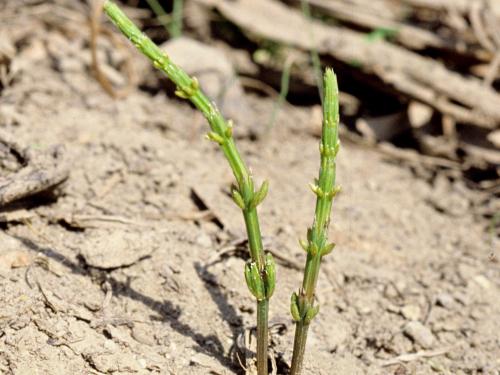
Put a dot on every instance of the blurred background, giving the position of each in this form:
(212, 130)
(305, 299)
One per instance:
(116, 219)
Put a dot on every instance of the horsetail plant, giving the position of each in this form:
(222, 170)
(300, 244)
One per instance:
(303, 308)
(260, 270)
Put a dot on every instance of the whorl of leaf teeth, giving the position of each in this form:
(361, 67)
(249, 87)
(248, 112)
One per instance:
(261, 285)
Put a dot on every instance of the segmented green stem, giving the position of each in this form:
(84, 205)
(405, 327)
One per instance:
(302, 305)
(260, 272)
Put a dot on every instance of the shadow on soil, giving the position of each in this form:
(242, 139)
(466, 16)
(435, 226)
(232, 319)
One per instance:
(168, 312)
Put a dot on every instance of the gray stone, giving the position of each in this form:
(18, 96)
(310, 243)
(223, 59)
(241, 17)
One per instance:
(420, 334)
(445, 300)
(117, 248)
(411, 312)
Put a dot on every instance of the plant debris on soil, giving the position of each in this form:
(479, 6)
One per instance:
(122, 251)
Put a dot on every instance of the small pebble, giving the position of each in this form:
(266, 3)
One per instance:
(143, 335)
(110, 345)
(445, 300)
(142, 362)
(392, 308)
(482, 281)
(401, 286)
(363, 309)
(204, 240)
(420, 334)
(411, 312)
(466, 272)
(476, 314)
(391, 292)
(341, 305)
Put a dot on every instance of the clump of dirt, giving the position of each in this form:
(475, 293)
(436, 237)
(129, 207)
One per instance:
(135, 264)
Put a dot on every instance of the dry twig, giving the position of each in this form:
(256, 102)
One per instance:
(409, 73)
(38, 171)
(409, 357)
(95, 30)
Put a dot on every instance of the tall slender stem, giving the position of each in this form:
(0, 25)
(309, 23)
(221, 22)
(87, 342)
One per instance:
(175, 27)
(316, 61)
(262, 336)
(260, 271)
(303, 308)
(299, 347)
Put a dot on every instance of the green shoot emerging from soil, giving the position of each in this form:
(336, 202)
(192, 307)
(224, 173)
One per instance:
(302, 307)
(260, 271)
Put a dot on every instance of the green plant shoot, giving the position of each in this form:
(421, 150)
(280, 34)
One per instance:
(175, 27)
(303, 308)
(171, 22)
(260, 270)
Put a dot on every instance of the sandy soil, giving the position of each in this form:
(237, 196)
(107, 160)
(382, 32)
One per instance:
(135, 264)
